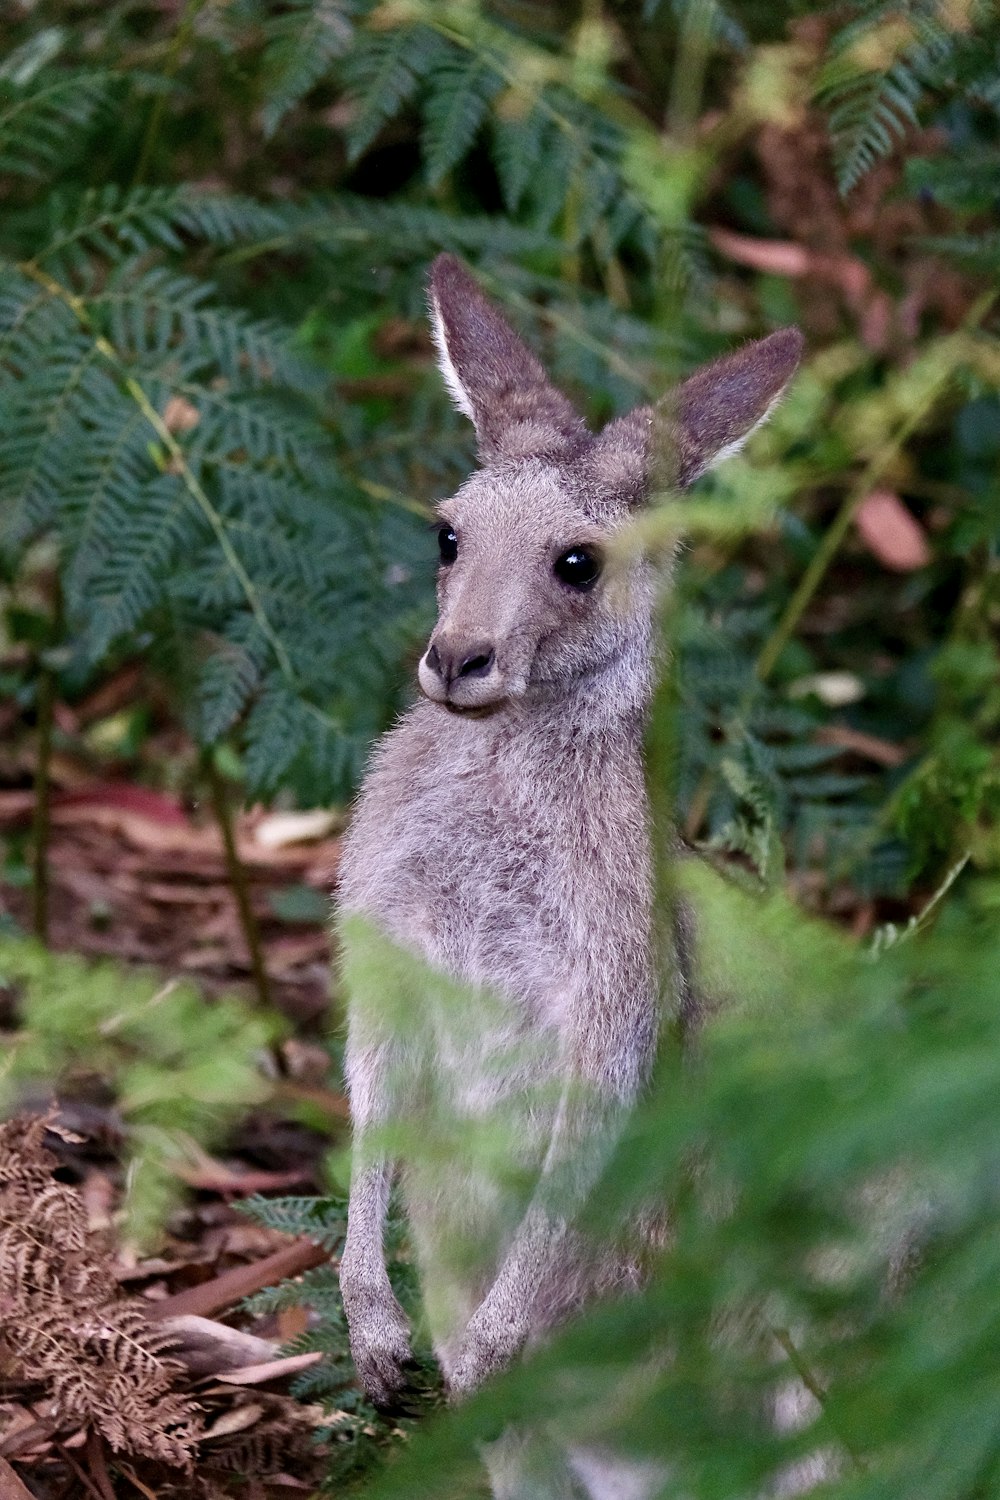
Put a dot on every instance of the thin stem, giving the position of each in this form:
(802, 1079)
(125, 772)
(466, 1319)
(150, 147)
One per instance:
(815, 1390)
(689, 72)
(41, 820)
(237, 878)
(156, 113)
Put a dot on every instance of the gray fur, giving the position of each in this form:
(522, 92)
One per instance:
(502, 834)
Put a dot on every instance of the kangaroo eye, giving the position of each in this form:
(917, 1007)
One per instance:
(447, 544)
(578, 568)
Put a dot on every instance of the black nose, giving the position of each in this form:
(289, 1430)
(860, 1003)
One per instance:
(462, 661)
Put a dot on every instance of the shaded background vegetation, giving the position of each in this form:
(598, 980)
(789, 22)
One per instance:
(220, 435)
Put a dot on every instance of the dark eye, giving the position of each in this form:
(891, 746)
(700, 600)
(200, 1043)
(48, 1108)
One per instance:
(447, 544)
(579, 567)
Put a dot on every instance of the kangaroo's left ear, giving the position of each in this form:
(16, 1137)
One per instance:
(493, 376)
(706, 421)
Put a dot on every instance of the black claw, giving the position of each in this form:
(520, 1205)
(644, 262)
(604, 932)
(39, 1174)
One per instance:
(409, 1395)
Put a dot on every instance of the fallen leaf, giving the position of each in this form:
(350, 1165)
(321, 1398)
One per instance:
(237, 1420)
(276, 830)
(275, 1369)
(871, 746)
(891, 532)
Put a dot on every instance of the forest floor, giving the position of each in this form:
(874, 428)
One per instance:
(140, 875)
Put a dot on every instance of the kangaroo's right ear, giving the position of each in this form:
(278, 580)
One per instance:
(701, 423)
(493, 376)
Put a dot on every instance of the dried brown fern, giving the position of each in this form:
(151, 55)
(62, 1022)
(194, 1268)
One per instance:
(64, 1323)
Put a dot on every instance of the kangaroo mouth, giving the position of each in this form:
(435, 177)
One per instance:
(473, 710)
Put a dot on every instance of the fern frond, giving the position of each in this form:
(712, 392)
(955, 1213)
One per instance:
(459, 93)
(406, 232)
(518, 145)
(870, 108)
(383, 75)
(321, 1219)
(302, 44)
(47, 120)
(149, 313)
(980, 252)
(117, 223)
(966, 181)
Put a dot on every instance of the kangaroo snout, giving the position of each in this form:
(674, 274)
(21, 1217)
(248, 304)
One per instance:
(452, 661)
(461, 672)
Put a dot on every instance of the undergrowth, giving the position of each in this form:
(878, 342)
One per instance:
(180, 1069)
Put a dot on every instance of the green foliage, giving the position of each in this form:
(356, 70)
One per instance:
(218, 412)
(175, 358)
(840, 1224)
(879, 65)
(182, 1069)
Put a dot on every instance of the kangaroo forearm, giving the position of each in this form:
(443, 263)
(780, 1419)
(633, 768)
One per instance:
(532, 1286)
(379, 1332)
(363, 1260)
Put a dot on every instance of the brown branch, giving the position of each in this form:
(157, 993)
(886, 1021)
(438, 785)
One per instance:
(239, 1282)
(237, 878)
(40, 819)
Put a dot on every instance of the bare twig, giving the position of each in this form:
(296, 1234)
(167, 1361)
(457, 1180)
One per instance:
(237, 878)
(40, 819)
(239, 1282)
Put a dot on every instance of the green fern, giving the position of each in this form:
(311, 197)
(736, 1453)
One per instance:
(383, 74)
(302, 44)
(518, 145)
(459, 95)
(180, 1069)
(870, 109)
(356, 1434)
(175, 446)
(45, 120)
(323, 1220)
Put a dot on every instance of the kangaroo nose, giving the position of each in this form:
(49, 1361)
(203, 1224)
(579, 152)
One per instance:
(450, 663)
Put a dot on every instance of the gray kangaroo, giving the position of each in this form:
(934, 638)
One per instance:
(502, 835)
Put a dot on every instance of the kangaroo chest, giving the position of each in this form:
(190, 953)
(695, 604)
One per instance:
(510, 869)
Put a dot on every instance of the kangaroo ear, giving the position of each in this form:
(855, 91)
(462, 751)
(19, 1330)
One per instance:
(492, 375)
(723, 403)
(704, 422)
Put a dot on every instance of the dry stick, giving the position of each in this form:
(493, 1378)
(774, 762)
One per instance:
(99, 1464)
(81, 1474)
(40, 817)
(237, 879)
(240, 1281)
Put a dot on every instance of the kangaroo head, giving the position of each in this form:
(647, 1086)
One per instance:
(526, 606)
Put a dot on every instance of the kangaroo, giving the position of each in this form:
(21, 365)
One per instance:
(502, 835)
